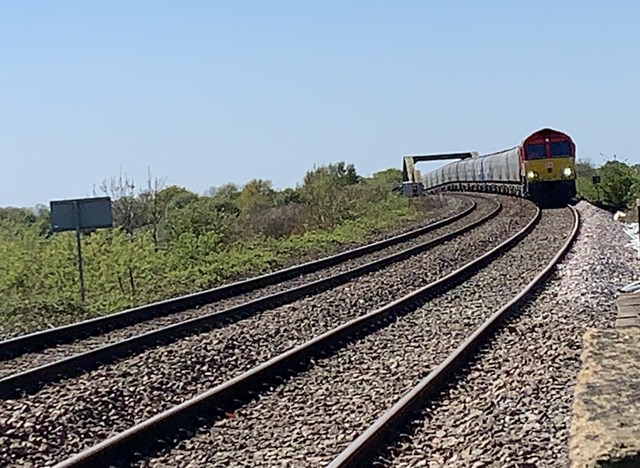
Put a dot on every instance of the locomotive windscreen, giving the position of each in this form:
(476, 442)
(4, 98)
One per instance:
(554, 149)
(536, 151)
(560, 149)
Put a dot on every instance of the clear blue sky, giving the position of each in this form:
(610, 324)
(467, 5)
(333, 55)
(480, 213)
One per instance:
(207, 92)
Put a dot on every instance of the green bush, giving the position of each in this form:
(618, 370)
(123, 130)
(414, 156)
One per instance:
(187, 243)
(618, 188)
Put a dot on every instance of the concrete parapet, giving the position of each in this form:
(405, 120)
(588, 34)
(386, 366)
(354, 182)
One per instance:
(605, 426)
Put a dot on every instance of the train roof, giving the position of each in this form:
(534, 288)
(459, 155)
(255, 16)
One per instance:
(537, 135)
(546, 133)
(497, 152)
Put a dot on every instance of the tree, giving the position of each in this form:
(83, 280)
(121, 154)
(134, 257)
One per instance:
(619, 184)
(288, 196)
(199, 216)
(345, 173)
(128, 210)
(388, 178)
(324, 195)
(175, 197)
(256, 195)
(22, 216)
(154, 205)
(340, 173)
(225, 193)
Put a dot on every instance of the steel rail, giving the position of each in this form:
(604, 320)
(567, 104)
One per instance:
(363, 450)
(68, 333)
(33, 379)
(181, 420)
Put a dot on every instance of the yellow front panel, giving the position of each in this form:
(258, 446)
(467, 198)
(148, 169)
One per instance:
(550, 169)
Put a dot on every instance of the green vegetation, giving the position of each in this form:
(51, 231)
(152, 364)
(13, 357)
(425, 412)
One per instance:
(170, 241)
(618, 187)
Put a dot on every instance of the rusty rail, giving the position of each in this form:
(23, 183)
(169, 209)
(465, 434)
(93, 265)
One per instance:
(174, 423)
(33, 379)
(68, 333)
(363, 450)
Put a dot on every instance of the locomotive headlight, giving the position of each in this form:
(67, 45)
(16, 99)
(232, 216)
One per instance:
(531, 175)
(567, 172)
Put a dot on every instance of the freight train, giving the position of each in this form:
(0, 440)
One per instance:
(541, 168)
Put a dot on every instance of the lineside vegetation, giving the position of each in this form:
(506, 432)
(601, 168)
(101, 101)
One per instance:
(618, 187)
(171, 241)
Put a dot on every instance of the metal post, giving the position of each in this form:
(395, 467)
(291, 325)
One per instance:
(79, 243)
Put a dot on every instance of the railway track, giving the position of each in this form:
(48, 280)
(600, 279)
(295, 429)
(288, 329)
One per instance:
(295, 370)
(44, 339)
(67, 350)
(372, 445)
(84, 410)
(513, 404)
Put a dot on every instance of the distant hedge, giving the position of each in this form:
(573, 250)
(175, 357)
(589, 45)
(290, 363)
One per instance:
(170, 241)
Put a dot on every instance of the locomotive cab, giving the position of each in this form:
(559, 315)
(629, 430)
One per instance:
(548, 166)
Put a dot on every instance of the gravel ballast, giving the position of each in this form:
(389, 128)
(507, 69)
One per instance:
(512, 407)
(310, 418)
(79, 412)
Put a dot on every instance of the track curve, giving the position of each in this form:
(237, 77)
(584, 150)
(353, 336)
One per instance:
(367, 446)
(54, 367)
(235, 392)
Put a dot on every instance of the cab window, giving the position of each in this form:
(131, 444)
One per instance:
(560, 149)
(535, 151)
